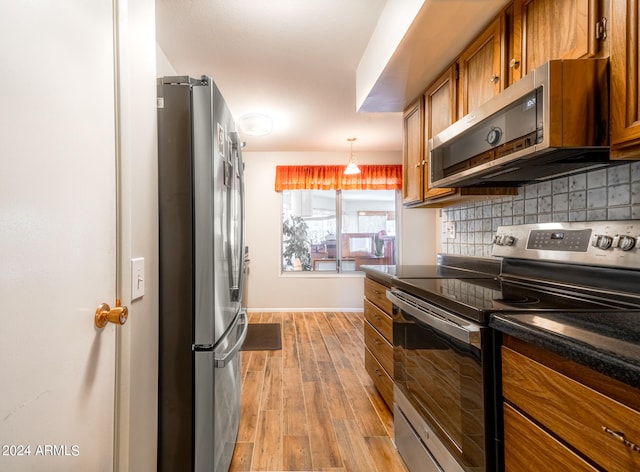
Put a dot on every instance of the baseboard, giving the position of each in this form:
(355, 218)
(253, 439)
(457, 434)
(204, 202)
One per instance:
(289, 309)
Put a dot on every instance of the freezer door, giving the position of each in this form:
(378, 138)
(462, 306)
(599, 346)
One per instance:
(217, 399)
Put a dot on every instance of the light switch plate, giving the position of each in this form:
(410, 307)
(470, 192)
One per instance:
(137, 278)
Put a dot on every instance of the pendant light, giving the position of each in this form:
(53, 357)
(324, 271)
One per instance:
(352, 167)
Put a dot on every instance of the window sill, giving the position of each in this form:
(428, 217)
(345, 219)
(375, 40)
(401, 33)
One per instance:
(322, 275)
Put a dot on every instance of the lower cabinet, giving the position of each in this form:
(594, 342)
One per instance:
(378, 338)
(535, 452)
(380, 377)
(564, 416)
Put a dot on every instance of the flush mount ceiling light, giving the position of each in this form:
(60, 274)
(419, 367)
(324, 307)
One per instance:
(352, 167)
(255, 124)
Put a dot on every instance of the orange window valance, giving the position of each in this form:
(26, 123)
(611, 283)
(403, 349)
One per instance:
(371, 177)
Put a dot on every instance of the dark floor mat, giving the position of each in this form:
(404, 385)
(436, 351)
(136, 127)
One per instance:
(263, 337)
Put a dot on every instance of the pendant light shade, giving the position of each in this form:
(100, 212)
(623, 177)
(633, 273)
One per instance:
(352, 167)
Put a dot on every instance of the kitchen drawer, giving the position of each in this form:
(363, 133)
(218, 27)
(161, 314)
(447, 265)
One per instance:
(379, 347)
(380, 378)
(379, 320)
(528, 447)
(599, 427)
(376, 293)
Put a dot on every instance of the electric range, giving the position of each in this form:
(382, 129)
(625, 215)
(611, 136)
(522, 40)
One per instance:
(444, 350)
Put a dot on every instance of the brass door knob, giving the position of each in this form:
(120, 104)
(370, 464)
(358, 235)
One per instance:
(105, 314)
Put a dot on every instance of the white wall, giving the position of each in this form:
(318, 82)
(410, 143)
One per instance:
(163, 65)
(267, 288)
(138, 366)
(420, 236)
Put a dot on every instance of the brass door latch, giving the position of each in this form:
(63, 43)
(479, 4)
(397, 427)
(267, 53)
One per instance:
(105, 314)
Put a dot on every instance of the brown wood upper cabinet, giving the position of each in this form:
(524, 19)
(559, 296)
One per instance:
(412, 153)
(625, 89)
(540, 30)
(440, 112)
(479, 66)
(429, 114)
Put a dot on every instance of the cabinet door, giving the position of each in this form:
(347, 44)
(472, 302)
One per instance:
(585, 419)
(439, 113)
(625, 89)
(412, 153)
(479, 67)
(512, 31)
(529, 447)
(556, 29)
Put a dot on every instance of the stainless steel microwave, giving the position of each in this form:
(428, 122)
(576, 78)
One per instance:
(552, 122)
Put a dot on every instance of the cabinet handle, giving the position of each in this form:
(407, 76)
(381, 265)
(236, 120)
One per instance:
(418, 165)
(514, 64)
(601, 29)
(494, 79)
(620, 437)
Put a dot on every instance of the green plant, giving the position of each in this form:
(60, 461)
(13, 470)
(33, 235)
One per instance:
(296, 242)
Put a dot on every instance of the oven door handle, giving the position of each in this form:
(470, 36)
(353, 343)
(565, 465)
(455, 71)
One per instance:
(464, 331)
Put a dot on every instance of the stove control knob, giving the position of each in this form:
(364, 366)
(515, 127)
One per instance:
(626, 243)
(497, 239)
(509, 240)
(601, 241)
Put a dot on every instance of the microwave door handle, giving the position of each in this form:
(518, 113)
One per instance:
(469, 335)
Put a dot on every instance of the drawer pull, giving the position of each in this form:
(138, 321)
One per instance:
(620, 437)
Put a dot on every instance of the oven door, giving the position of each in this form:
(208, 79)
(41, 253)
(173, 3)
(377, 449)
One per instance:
(442, 369)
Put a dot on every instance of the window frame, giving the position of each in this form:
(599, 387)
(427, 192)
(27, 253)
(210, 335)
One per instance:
(339, 224)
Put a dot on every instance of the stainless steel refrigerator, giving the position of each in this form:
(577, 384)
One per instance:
(202, 325)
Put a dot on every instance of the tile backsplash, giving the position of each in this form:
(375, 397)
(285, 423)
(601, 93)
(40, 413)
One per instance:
(604, 194)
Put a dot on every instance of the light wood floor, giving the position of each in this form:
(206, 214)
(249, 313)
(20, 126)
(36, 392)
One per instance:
(311, 406)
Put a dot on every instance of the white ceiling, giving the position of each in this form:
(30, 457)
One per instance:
(296, 60)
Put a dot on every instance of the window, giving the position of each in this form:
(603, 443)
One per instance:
(337, 230)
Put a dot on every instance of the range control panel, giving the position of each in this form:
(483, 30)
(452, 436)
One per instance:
(559, 239)
(603, 243)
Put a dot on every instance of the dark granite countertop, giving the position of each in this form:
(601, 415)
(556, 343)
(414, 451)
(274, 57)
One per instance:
(382, 273)
(608, 341)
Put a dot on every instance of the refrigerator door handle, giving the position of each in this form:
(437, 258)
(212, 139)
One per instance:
(221, 359)
(237, 253)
